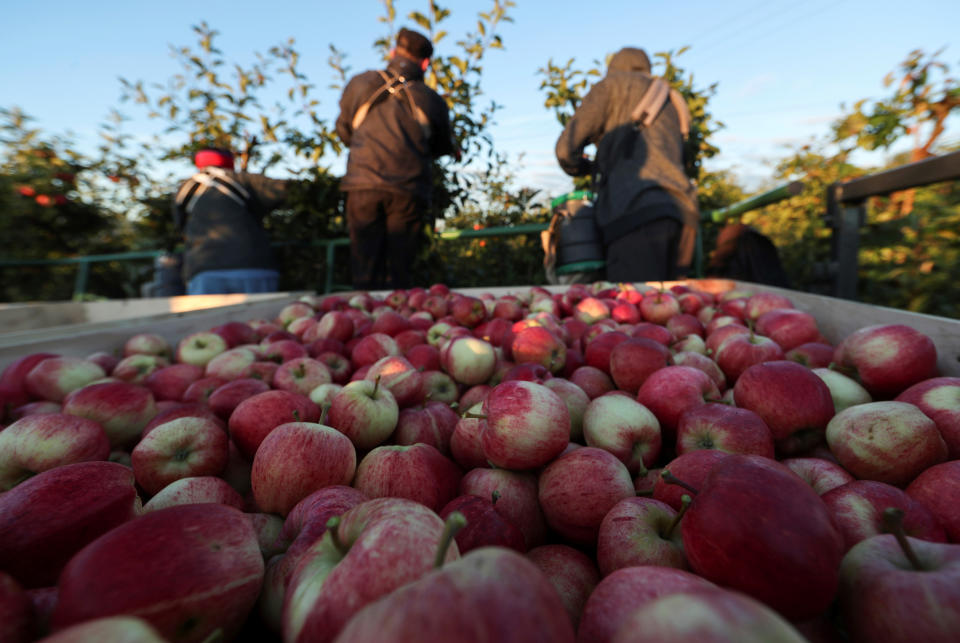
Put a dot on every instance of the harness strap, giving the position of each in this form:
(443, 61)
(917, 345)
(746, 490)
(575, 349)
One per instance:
(209, 178)
(653, 100)
(393, 85)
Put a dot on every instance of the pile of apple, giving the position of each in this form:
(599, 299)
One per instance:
(607, 463)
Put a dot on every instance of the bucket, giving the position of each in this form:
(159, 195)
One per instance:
(579, 246)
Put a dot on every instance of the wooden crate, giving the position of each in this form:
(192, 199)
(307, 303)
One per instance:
(836, 317)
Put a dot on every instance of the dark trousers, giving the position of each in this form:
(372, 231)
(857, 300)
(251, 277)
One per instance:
(385, 230)
(647, 253)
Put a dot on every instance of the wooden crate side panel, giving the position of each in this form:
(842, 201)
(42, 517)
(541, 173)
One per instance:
(83, 339)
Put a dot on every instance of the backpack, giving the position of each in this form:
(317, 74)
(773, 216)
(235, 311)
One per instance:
(395, 86)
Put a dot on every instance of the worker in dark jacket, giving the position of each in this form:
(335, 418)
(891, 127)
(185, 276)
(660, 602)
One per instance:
(646, 206)
(395, 126)
(220, 213)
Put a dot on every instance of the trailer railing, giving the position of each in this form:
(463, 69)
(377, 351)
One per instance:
(847, 210)
(330, 246)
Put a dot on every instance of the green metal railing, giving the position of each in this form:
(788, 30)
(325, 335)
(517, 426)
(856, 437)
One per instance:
(330, 245)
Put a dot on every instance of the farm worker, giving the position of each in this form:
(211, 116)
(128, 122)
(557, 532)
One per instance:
(646, 207)
(395, 126)
(220, 214)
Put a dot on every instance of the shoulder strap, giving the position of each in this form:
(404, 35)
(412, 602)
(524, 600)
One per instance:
(392, 85)
(683, 111)
(211, 177)
(652, 102)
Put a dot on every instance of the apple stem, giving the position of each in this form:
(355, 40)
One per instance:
(215, 636)
(685, 501)
(474, 416)
(669, 478)
(376, 385)
(333, 528)
(638, 457)
(893, 524)
(494, 497)
(453, 524)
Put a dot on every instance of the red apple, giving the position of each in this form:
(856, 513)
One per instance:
(634, 360)
(788, 327)
(671, 391)
(857, 510)
(939, 399)
(890, 442)
(365, 412)
(485, 526)
(726, 428)
(592, 380)
(295, 460)
(888, 358)
(624, 591)
(17, 621)
(812, 354)
(624, 427)
(201, 390)
(793, 402)
(256, 416)
(822, 475)
(53, 378)
(795, 539)
(13, 390)
(303, 526)
(200, 347)
(40, 532)
(845, 391)
(572, 573)
(937, 489)
(468, 360)
(516, 601)
(578, 489)
(193, 491)
(171, 382)
(705, 615)
(301, 375)
(692, 468)
(121, 408)
(527, 425)
(181, 448)
(376, 548)
(38, 443)
(236, 333)
(400, 377)
(599, 349)
(740, 351)
(659, 307)
(538, 345)
(204, 566)
(418, 472)
(146, 344)
(639, 531)
(231, 364)
(887, 595)
(138, 367)
(227, 397)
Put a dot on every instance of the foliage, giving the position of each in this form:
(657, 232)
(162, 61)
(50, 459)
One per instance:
(909, 253)
(48, 214)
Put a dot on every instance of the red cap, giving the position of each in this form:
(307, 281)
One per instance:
(216, 158)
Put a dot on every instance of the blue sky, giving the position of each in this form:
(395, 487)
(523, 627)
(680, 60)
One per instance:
(783, 69)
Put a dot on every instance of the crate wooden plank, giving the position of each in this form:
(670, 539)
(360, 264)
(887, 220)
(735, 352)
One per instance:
(82, 339)
(836, 317)
(32, 316)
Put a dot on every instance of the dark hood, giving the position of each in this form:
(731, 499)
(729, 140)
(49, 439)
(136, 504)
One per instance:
(629, 59)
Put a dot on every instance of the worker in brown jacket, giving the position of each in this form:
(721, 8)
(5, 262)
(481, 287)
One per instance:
(395, 126)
